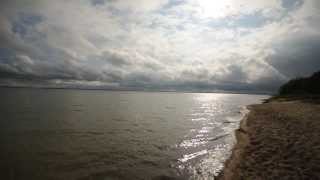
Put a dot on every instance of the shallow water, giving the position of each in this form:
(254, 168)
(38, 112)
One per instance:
(78, 134)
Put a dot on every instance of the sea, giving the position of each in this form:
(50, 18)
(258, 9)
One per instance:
(117, 135)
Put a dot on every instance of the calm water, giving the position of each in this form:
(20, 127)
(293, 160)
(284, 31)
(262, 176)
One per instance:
(76, 134)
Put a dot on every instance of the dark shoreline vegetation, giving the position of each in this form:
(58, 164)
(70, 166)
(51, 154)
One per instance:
(302, 86)
(279, 139)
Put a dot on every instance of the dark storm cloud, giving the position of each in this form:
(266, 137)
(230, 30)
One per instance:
(291, 4)
(299, 56)
(115, 59)
(98, 2)
(234, 74)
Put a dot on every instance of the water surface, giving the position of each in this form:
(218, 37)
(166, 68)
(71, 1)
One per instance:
(78, 134)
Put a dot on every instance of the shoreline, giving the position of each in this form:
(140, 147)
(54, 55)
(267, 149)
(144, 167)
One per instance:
(229, 170)
(278, 139)
(136, 90)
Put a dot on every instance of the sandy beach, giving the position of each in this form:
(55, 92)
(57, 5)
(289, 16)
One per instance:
(279, 139)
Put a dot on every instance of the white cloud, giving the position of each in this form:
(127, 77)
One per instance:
(139, 5)
(227, 8)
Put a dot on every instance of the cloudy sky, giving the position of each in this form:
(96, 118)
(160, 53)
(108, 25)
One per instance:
(158, 44)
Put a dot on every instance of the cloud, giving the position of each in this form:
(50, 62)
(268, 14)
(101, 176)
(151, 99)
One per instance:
(138, 5)
(298, 56)
(160, 44)
(204, 9)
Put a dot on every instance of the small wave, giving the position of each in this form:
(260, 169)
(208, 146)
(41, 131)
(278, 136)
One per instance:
(77, 110)
(77, 105)
(199, 119)
(149, 162)
(188, 157)
(170, 107)
(219, 137)
(193, 142)
(118, 119)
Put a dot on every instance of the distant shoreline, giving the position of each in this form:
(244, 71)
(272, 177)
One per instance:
(135, 90)
(278, 139)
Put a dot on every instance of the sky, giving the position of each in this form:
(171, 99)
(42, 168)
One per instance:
(188, 45)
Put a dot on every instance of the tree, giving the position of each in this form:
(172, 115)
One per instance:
(298, 86)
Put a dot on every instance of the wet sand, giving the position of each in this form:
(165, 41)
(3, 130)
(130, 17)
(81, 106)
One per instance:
(279, 139)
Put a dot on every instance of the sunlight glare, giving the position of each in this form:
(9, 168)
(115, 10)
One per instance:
(215, 8)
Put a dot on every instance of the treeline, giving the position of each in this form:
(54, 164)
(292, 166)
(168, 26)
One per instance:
(301, 86)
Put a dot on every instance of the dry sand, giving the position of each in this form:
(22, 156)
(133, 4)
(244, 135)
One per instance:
(277, 140)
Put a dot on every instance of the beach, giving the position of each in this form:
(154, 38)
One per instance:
(278, 139)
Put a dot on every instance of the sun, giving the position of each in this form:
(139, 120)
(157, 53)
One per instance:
(215, 8)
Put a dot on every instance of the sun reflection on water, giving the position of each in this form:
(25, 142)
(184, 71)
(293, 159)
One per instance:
(208, 144)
